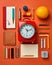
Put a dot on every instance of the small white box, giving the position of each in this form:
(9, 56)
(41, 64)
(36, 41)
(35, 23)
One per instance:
(44, 54)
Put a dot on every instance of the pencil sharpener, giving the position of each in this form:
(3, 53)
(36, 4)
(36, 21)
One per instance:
(44, 54)
(27, 32)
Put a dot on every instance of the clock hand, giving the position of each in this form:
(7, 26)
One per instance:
(27, 30)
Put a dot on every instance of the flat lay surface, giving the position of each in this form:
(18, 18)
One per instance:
(42, 52)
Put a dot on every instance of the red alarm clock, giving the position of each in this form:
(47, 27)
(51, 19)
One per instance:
(27, 31)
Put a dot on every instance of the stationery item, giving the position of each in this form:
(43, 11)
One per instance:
(29, 51)
(8, 23)
(32, 14)
(9, 17)
(17, 52)
(44, 42)
(19, 14)
(9, 38)
(41, 41)
(13, 14)
(44, 28)
(44, 54)
(27, 14)
(47, 40)
(25, 8)
(12, 53)
(43, 24)
(6, 53)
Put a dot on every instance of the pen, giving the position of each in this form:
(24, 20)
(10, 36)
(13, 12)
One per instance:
(13, 14)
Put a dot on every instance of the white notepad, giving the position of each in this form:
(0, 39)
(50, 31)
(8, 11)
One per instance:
(29, 51)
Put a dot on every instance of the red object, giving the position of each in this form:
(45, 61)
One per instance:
(9, 53)
(27, 15)
(4, 17)
(23, 40)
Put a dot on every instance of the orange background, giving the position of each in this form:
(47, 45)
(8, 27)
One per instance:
(31, 4)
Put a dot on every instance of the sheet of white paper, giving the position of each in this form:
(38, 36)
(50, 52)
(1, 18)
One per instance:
(9, 20)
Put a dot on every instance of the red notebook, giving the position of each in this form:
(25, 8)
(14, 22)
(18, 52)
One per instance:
(9, 18)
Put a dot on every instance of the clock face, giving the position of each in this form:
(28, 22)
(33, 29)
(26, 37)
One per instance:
(27, 31)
